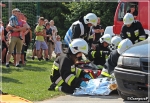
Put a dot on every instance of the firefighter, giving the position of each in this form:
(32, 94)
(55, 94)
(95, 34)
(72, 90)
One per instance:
(111, 62)
(114, 42)
(65, 76)
(99, 53)
(132, 29)
(81, 28)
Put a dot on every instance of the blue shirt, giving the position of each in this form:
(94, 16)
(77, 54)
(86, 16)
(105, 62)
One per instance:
(13, 21)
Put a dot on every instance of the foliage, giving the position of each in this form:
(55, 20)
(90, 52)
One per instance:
(54, 11)
(104, 10)
(28, 8)
(64, 13)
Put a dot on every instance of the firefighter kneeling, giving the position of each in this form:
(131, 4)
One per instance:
(65, 76)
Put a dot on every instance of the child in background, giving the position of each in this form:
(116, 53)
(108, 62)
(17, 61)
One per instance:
(13, 21)
(58, 46)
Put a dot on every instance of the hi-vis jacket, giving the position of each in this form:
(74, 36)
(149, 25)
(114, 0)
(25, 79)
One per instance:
(64, 71)
(77, 30)
(135, 32)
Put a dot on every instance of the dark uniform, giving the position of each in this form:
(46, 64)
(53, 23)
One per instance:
(133, 32)
(99, 55)
(111, 62)
(75, 31)
(66, 74)
(97, 35)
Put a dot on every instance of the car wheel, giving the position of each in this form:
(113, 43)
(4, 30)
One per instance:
(122, 95)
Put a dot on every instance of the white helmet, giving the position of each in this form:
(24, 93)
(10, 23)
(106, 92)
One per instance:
(105, 38)
(124, 45)
(115, 41)
(91, 18)
(79, 45)
(128, 18)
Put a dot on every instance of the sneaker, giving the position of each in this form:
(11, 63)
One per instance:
(7, 66)
(32, 58)
(39, 59)
(18, 66)
(20, 38)
(46, 59)
(42, 58)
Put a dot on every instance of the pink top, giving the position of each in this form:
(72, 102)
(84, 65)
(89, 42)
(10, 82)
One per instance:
(21, 23)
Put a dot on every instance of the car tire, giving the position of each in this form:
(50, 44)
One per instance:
(122, 95)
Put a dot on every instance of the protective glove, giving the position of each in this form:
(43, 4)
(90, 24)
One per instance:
(83, 84)
(87, 76)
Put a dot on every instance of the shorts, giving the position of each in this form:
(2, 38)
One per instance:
(41, 44)
(15, 41)
(22, 51)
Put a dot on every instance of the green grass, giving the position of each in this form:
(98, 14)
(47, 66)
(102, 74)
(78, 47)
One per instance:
(30, 82)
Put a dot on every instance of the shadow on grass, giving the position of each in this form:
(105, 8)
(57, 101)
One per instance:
(9, 70)
(7, 79)
(30, 65)
(34, 68)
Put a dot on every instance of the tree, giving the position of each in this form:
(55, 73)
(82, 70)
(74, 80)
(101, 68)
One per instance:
(104, 10)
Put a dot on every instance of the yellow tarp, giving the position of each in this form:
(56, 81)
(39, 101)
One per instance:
(13, 99)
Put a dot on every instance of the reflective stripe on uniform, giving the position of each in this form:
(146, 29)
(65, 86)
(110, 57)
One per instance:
(101, 52)
(91, 75)
(73, 68)
(106, 56)
(59, 81)
(55, 65)
(136, 32)
(105, 74)
(69, 79)
(100, 66)
(58, 88)
(142, 38)
(78, 71)
(93, 53)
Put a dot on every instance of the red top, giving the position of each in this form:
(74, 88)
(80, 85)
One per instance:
(21, 23)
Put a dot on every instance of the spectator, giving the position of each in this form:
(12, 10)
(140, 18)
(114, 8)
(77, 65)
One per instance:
(54, 29)
(40, 43)
(15, 41)
(4, 46)
(81, 28)
(98, 31)
(58, 46)
(133, 11)
(28, 37)
(13, 21)
(50, 42)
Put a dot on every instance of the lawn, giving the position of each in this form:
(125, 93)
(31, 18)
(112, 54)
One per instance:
(30, 82)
